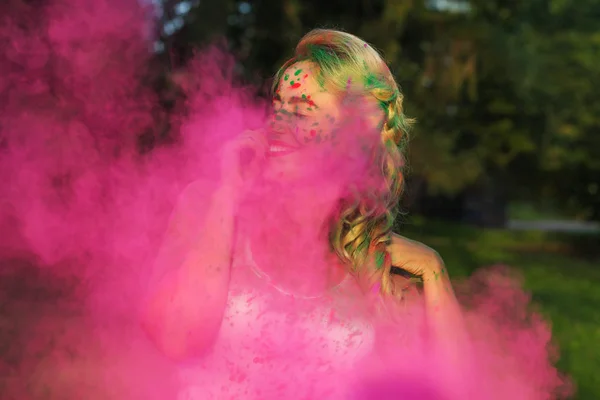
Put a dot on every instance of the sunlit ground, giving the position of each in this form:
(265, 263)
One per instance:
(561, 271)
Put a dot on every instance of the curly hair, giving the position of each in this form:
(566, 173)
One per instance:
(361, 227)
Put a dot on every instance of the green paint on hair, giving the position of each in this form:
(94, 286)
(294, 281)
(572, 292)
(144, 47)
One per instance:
(363, 245)
(379, 259)
(371, 81)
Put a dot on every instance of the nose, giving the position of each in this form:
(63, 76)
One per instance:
(283, 131)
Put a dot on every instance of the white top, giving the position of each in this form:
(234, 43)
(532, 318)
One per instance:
(274, 345)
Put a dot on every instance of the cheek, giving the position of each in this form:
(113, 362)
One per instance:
(308, 131)
(316, 130)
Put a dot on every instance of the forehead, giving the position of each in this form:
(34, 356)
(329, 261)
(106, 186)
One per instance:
(300, 78)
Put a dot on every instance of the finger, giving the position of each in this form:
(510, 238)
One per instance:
(258, 136)
(247, 156)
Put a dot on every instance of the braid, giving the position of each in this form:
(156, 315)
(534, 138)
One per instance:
(365, 228)
(393, 137)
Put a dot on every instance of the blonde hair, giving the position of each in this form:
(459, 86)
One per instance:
(362, 226)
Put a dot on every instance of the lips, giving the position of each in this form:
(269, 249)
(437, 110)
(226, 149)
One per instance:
(279, 148)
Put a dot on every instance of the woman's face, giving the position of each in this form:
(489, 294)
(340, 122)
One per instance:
(303, 136)
(303, 107)
(304, 116)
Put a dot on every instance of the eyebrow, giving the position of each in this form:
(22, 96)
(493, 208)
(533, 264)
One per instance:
(297, 100)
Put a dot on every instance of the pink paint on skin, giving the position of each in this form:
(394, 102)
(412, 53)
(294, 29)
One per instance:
(85, 211)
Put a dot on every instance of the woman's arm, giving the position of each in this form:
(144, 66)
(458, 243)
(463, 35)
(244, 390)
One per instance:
(444, 316)
(448, 339)
(186, 300)
(443, 310)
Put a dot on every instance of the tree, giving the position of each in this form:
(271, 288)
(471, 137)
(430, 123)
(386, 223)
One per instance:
(503, 92)
(546, 53)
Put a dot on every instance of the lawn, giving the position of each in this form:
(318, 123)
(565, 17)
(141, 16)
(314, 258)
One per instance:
(560, 271)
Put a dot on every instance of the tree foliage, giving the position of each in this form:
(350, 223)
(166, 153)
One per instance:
(504, 90)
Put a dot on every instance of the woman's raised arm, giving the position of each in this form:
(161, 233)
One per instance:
(187, 296)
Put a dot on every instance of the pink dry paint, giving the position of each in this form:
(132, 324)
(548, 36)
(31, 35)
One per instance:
(82, 205)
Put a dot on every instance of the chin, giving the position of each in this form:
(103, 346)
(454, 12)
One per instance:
(279, 169)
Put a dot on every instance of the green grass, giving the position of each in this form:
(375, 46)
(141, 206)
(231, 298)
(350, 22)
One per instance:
(531, 212)
(561, 272)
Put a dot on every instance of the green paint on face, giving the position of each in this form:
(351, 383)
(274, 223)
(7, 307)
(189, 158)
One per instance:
(286, 77)
(298, 72)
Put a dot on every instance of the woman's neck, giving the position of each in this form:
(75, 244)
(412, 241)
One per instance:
(289, 238)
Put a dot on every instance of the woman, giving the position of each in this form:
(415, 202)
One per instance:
(341, 224)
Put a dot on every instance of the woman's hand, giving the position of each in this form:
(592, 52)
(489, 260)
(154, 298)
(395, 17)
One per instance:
(416, 258)
(241, 157)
